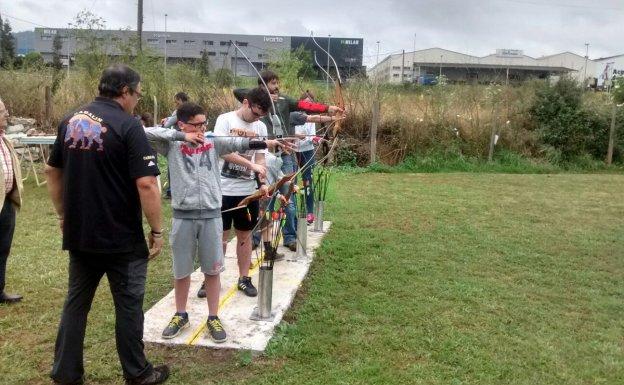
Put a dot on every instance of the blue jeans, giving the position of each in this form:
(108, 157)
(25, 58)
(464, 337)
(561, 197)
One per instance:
(303, 158)
(290, 227)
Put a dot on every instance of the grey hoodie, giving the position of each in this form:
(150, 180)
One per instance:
(194, 169)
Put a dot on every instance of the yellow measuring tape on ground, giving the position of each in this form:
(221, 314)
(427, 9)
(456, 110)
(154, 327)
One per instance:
(224, 300)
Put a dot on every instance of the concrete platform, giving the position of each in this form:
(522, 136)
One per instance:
(235, 308)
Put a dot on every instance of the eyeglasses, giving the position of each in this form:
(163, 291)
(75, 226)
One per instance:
(256, 114)
(197, 125)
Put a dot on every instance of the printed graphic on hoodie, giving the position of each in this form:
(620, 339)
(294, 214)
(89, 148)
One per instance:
(204, 156)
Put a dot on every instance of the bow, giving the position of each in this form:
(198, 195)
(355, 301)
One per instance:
(338, 96)
(273, 188)
(275, 120)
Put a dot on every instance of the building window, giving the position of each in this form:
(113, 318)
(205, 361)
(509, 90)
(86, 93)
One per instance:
(212, 53)
(222, 43)
(223, 53)
(189, 42)
(242, 43)
(407, 68)
(171, 41)
(208, 42)
(46, 37)
(153, 41)
(395, 75)
(397, 68)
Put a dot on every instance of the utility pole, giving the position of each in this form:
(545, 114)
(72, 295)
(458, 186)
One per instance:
(68, 50)
(440, 66)
(585, 69)
(328, 47)
(165, 69)
(140, 25)
(402, 66)
(414, 61)
(235, 64)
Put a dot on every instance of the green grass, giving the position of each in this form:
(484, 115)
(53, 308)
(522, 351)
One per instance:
(423, 279)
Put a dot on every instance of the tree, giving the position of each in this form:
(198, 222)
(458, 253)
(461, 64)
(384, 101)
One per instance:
(90, 53)
(223, 77)
(204, 64)
(7, 44)
(618, 90)
(57, 46)
(32, 60)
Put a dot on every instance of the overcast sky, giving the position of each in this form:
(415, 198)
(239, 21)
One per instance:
(476, 27)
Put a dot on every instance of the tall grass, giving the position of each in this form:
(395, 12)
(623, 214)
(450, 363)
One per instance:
(456, 120)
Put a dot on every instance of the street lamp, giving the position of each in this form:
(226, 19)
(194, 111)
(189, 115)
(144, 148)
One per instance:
(328, 46)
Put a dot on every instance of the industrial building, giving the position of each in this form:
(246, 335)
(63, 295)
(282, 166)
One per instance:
(503, 66)
(185, 46)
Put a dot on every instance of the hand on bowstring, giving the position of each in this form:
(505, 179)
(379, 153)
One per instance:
(333, 110)
(259, 169)
(264, 189)
(194, 137)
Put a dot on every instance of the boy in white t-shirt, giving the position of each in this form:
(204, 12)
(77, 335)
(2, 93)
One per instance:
(237, 182)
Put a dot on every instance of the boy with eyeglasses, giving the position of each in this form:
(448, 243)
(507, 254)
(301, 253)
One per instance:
(196, 203)
(238, 180)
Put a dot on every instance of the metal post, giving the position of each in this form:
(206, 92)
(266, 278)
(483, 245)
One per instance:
(318, 221)
(265, 293)
(302, 238)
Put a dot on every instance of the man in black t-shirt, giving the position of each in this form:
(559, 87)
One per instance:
(100, 174)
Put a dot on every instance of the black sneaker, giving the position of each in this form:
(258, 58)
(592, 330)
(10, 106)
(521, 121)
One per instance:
(158, 375)
(245, 285)
(216, 330)
(292, 246)
(175, 326)
(271, 254)
(201, 293)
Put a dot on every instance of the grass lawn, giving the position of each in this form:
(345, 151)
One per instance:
(424, 279)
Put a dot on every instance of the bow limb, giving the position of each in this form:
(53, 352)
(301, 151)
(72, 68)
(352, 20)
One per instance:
(272, 189)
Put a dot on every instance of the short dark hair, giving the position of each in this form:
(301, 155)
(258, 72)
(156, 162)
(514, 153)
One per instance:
(188, 110)
(259, 96)
(181, 96)
(148, 119)
(267, 76)
(115, 78)
(307, 94)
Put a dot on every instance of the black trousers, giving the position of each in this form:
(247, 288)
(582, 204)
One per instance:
(126, 273)
(7, 228)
